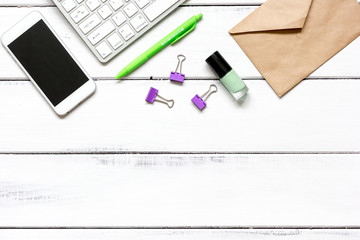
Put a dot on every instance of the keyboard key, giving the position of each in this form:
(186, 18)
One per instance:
(105, 11)
(119, 18)
(115, 41)
(101, 32)
(138, 22)
(116, 4)
(93, 4)
(126, 32)
(142, 3)
(79, 14)
(68, 5)
(103, 49)
(130, 9)
(90, 23)
(79, 1)
(158, 7)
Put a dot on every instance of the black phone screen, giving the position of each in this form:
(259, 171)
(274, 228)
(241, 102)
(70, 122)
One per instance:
(48, 63)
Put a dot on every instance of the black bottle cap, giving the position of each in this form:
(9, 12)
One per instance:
(218, 64)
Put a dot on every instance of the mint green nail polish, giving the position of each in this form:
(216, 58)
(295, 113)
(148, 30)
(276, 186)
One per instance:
(228, 77)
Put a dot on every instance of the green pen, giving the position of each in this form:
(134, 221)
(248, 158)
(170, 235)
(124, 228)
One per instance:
(172, 38)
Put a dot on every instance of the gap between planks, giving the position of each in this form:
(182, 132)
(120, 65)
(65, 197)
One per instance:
(186, 4)
(6, 3)
(90, 152)
(267, 227)
(205, 3)
(155, 78)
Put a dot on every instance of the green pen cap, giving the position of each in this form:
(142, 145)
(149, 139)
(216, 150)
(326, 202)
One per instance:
(199, 17)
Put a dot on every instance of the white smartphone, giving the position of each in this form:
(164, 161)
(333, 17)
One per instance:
(48, 63)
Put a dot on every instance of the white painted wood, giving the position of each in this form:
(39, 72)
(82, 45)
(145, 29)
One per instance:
(179, 190)
(316, 116)
(180, 234)
(210, 31)
(182, 190)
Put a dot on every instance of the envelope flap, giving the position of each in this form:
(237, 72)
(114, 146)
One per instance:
(275, 15)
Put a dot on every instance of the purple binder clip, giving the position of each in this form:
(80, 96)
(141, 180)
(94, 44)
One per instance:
(153, 94)
(200, 101)
(178, 76)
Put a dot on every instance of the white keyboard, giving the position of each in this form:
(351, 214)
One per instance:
(109, 26)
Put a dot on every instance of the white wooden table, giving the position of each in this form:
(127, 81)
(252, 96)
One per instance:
(118, 168)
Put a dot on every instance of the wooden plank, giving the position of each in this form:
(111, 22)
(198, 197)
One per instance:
(210, 30)
(317, 116)
(180, 234)
(127, 191)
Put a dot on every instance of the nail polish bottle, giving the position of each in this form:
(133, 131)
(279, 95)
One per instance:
(228, 77)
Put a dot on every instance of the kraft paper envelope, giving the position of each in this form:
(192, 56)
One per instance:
(289, 39)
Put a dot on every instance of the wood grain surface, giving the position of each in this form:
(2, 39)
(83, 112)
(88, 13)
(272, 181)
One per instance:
(317, 116)
(179, 190)
(209, 30)
(180, 234)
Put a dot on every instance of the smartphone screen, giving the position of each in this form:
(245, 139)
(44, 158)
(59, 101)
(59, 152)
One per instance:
(48, 62)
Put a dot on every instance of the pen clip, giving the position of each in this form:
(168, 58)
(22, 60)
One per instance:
(184, 34)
